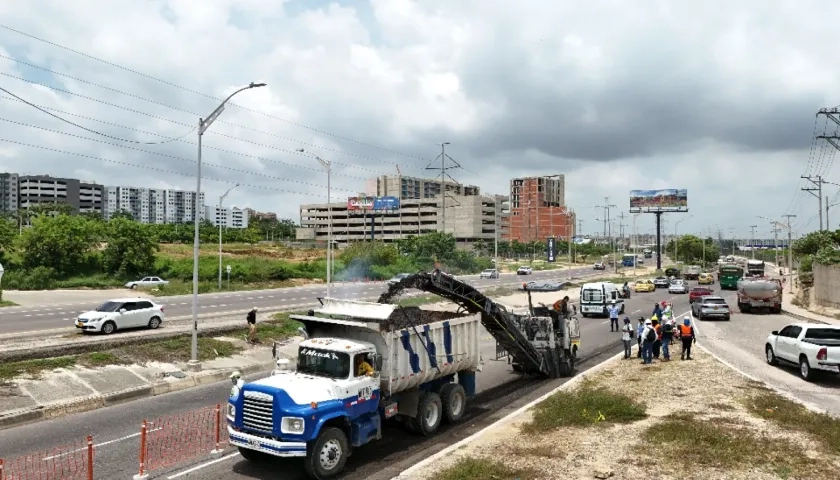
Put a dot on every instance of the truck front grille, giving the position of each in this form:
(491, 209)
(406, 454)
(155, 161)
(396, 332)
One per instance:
(258, 411)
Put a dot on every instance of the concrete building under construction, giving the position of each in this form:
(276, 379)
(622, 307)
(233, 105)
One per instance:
(538, 209)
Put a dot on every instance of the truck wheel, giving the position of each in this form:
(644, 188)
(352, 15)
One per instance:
(326, 456)
(585, 315)
(770, 356)
(454, 400)
(252, 455)
(567, 367)
(429, 414)
(805, 368)
(518, 368)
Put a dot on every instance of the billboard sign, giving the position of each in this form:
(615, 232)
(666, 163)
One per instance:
(673, 199)
(382, 204)
(360, 203)
(551, 251)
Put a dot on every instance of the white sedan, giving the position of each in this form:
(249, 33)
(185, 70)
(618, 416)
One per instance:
(678, 286)
(147, 282)
(121, 314)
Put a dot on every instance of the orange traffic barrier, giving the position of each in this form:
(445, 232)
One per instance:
(171, 440)
(68, 462)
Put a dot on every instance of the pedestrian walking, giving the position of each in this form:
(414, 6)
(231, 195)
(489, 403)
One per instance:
(251, 318)
(688, 338)
(667, 336)
(657, 342)
(627, 337)
(648, 337)
(639, 329)
(657, 311)
(613, 311)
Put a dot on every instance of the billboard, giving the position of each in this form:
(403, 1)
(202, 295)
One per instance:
(360, 203)
(372, 204)
(673, 199)
(551, 250)
(383, 204)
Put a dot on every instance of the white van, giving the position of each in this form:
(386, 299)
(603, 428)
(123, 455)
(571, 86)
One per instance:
(595, 297)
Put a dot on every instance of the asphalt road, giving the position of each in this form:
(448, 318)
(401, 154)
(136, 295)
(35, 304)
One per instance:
(28, 319)
(116, 429)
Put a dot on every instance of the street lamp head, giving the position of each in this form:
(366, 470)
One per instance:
(300, 150)
(255, 85)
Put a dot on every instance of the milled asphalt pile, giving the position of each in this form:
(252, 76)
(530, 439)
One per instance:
(407, 317)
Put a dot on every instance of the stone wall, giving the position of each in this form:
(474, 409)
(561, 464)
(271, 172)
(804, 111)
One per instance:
(826, 286)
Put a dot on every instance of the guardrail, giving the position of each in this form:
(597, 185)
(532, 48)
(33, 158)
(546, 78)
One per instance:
(67, 462)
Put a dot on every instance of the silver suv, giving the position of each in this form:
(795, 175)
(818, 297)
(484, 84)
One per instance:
(710, 307)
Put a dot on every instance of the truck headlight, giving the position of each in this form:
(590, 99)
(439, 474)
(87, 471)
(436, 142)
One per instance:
(231, 411)
(292, 425)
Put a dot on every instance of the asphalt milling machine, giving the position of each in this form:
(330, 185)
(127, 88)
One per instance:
(540, 342)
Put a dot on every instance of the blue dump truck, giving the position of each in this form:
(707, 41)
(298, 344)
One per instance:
(363, 363)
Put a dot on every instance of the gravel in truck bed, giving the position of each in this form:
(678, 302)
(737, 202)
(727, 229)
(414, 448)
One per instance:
(406, 317)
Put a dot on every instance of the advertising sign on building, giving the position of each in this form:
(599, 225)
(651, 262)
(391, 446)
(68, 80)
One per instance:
(360, 203)
(382, 204)
(551, 250)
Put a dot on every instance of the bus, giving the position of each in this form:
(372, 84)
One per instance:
(631, 260)
(728, 276)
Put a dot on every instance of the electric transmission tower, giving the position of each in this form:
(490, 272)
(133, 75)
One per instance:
(443, 176)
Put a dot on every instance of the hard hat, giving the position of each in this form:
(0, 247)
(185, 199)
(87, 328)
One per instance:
(236, 374)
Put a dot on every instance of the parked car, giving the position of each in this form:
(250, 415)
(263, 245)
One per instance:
(710, 306)
(524, 271)
(661, 282)
(147, 282)
(697, 293)
(489, 273)
(544, 286)
(120, 314)
(644, 286)
(398, 278)
(678, 286)
(599, 266)
(705, 279)
(811, 346)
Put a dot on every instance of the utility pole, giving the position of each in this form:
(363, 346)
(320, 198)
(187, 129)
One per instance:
(443, 179)
(817, 192)
(790, 252)
(752, 240)
(776, 243)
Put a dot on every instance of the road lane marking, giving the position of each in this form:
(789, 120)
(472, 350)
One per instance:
(203, 465)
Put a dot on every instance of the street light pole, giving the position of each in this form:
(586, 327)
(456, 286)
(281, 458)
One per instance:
(676, 239)
(635, 244)
(328, 167)
(203, 125)
(222, 199)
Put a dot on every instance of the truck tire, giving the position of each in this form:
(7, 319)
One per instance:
(429, 414)
(776, 311)
(517, 368)
(454, 400)
(567, 366)
(327, 454)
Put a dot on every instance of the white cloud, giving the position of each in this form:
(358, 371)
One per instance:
(717, 97)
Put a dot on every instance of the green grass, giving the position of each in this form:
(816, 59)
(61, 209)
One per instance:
(33, 368)
(100, 359)
(699, 442)
(586, 406)
(6, 303)
(484, 469)
(792, 416)
(177, 349)
(280, 327)
(419, 300)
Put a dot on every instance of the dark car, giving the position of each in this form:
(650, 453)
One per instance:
(697, 293)
(661, 282)
(672, 272)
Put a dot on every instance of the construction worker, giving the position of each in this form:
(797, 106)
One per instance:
(639, 329)
(688, 338)
(656, 310)
(562, 306)
(363, 368)
(251, 318)
(667, 335)
(648, 337)
(657, 343)
(627, 338)
(614, 310)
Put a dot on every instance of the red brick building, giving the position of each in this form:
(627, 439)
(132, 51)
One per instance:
(538, 209)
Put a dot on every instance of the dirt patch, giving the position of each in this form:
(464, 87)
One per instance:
(239, 250)
(711, 421)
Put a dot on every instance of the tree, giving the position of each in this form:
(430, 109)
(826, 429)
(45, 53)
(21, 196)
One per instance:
(690, 249)
(131, 248)
(49, 208)
(479, 246)
(8, 232)
(93, 215)
(122, 213)
(811, 243)
(61, 243)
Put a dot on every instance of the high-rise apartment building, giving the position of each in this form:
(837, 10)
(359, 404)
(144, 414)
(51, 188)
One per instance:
(149, 205)
(538, 209)
(81, 196)
(228, 217)
(253, 214)
(9, 197)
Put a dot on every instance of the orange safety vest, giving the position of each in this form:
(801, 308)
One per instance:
(685, 330)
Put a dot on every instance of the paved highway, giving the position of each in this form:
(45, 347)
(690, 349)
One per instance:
(27, 319)
(116, 428)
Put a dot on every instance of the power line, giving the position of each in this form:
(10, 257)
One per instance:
(175, 157)
(171, 84)
(146, 167)
(169, 139)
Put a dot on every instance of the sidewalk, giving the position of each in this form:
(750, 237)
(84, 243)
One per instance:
(66, 391)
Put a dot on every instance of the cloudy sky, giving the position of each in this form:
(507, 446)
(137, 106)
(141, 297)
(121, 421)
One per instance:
(716, 97)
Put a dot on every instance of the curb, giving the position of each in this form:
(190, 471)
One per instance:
(506, 419)
(93, 402)
(804, 318)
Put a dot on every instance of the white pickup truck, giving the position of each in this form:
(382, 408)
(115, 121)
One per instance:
(811, 346)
